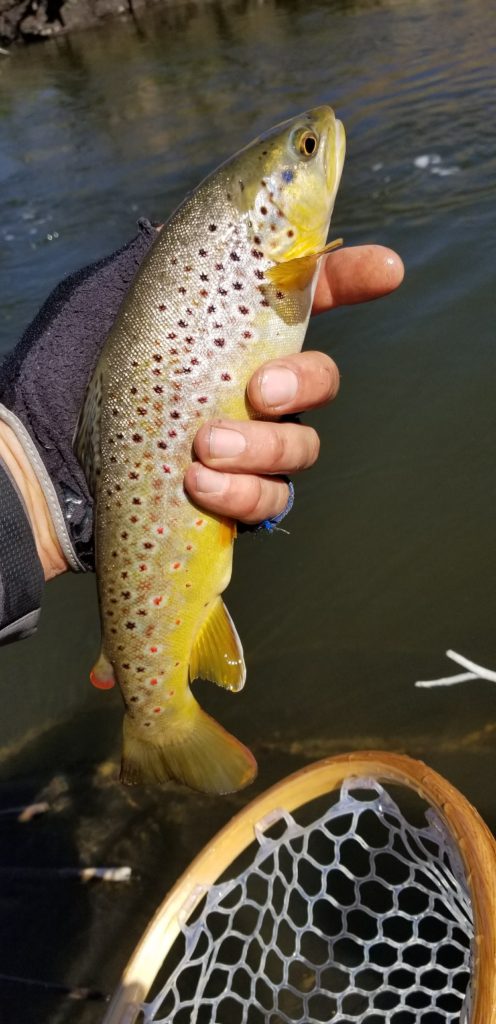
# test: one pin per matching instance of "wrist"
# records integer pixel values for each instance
(16, 462)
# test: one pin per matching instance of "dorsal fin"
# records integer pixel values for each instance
(87, 435)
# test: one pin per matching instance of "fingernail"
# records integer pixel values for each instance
(278, 386)
(225, 443)
(208, 481)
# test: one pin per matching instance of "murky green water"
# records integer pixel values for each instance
(391, 555)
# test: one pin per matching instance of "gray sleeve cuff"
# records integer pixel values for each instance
(21, 573)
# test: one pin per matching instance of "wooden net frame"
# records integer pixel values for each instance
(471, 836)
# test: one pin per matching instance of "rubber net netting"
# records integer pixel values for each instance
(359, 916)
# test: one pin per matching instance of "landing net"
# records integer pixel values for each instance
(358, 916)
(361, 915)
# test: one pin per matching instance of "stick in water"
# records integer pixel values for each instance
(475, 672)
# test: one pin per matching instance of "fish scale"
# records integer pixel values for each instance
(227, 285)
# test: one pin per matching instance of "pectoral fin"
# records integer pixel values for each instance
(217, 652)
(296, 274)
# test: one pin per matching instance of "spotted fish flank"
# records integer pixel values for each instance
(227, 285)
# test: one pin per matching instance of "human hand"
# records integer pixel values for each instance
(233, 473)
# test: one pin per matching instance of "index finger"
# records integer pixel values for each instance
(357, 274)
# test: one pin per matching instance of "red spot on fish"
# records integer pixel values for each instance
(220, 342)
(171, 693)
(157, 600)
(202, 400)
(143, 567)
(199, 522)
(153, 682)
(157, 372)
(176, 565)
(154, 650)
(226, 376)
(178, 622)
(172, 433)
(189, 547)
(134, 519)
(157, 711)
(247, 334)
(166, 469)
(195, 362)
(160, 530)
(244, 310)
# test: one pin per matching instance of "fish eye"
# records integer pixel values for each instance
(308, 143)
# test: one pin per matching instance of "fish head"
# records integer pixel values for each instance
(286, 183)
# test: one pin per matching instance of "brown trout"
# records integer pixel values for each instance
(227, 285)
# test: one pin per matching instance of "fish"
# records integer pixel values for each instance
(227, 285)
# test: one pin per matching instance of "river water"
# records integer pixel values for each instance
(391, 553)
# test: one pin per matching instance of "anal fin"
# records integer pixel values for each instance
(217, 652)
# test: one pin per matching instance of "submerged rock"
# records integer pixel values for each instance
(29, 20)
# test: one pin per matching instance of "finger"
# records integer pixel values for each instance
(250, 499)
(357, 274)
(256, 446)
(303, 381)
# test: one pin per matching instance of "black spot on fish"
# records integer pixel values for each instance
(137, 438)
(237, 286)
(220, 342)
(234, 256)
(212, 227)
(202, 252)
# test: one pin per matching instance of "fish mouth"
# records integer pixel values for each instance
(335, 155)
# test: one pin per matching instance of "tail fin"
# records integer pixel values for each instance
(204, 756)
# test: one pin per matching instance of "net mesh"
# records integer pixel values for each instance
(359, 916)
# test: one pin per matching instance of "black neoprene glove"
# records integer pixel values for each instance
(44, 380)
(42, 386)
